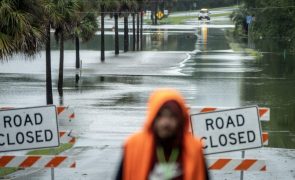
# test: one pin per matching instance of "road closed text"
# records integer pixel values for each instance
(21, 137)
(227, 138)
(28, 128)
(228, 130)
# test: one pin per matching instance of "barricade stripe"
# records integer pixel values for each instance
(257, 166)
(29, 161)
(262, 111)
(219, 164)
(4, 160)
(265, 138)
(55, 161)
(73, 141)
(245, 164)
(62, 133)
(72, 116)
(208, 109)
(60, 109)
(73, 165)
(263, 168)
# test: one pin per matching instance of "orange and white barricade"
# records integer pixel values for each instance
(230, 164)
(37, 161)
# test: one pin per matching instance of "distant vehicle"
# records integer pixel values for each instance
(204, 14)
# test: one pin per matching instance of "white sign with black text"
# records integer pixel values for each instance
(228, 130)
(28, 128)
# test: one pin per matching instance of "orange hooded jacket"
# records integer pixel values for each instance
(138, 149)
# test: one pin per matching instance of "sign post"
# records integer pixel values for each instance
(28, 128)
(228, 130)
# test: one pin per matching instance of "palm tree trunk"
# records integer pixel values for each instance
(141, 31)
(126, 36)
(61, 62)
(49, 97)
(77, 52)
(77, 58)
(102, 47)
(137, 33)
(116, 16)
(133, 28)
(156, 10)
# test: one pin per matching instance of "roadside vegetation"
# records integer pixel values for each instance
(236, 44)
(273, 20)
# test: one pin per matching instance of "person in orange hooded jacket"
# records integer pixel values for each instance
(165, 149)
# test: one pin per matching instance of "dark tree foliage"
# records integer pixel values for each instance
(272, 19)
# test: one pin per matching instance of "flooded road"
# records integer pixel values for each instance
(110, 105)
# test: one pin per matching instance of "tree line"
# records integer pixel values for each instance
(26, 26)
(273, 19)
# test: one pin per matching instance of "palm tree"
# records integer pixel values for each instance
(22, 30)
(141, 9)
(137, 33)
(127, 6)
(63, 23)
(133, 29)
(105, 7)
(20, 27)
(116, 17)
(102, 44)
(126, 31)
(52, 17)
(49, 96)
(86, 26)
(114, 8)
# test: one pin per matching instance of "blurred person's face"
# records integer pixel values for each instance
(166, 124)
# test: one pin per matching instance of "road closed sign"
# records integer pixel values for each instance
(28, 128)
(228, 130)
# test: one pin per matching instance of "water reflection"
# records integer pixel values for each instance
(274, 87)
(160, 40)
(205, 36)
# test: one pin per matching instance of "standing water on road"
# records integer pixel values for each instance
(111, 106)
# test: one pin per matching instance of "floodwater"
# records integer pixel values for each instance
(110, 107)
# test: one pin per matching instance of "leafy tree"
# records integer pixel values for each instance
(86, 25)
(272, 19)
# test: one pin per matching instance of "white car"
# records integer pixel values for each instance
(204, 14)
